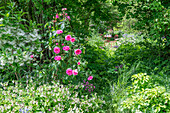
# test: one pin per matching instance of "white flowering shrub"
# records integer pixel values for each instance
(16, 47)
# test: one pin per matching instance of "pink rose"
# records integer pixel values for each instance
(64, 9)
(31, 56)
(68, 37)
(57, 50)
(69, 71)
(90, 78)
(66, 14)
(72, 39)
(75, 72)
(57, 16)
(59, 31)
(77, 51)
(78, 63)
(66, 48)
(62, 44)
(68, 17)
(56, 43)
(57, 58)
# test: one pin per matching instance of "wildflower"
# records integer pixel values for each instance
(49, 109)
(66, 14)
(49, 27)
(75, 72)
(78, 63)
(77, 51)
(121, 66)
(90, 78)
(20, 110)
(59, 31)
(68, 37)
(115, 46)
(69, 71)
(72, 39)
(56, 43)
(101, 47)
(57, 58)
(62, 44)
(31, 56)
(57, 50)
(66, 48)
(87, 83)
(57, 16)
(124, 35)
(116, 66)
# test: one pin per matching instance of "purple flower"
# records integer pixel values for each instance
(121, 66)
(116, 66)
(115, 46)
(124, 35)
(101, 47)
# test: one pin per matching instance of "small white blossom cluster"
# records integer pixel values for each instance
(54, 98)
(129, 38)
(16, 46)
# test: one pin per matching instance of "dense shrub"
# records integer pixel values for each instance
(16, 48)
(144, 96)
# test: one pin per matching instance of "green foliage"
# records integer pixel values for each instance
(152, 18)
(47, 98)
(83, 13)
(17, 44)
(144, 97)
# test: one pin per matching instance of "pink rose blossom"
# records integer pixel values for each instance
(75, 72)
(59, 31)
(90, 78)
(62, 44)
(68, 37)
(69, 71)
(66, 14)
(77, 51)
(66, 48)
(68, 17)
(57, 58)
(72, 39)
(64, 9)
(57, 50)
(56, 43)
(31, 56)
(57, 16)
(78, 63)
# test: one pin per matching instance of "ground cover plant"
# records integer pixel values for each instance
(54, 58)
(46, 98)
